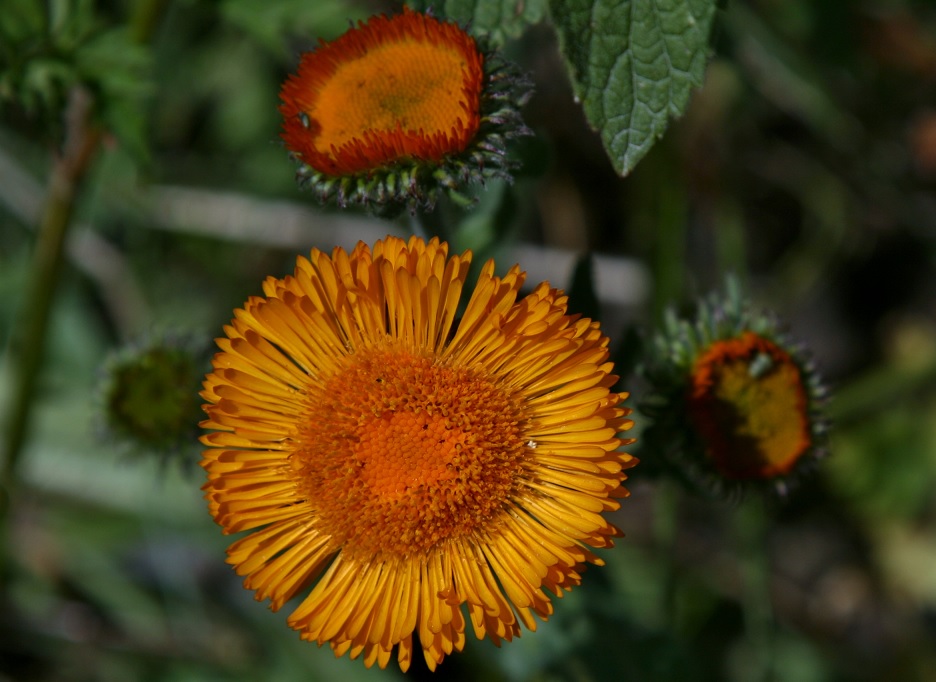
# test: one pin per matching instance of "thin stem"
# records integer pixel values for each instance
(666, 529)
(70, 168)
(146, 18)
(26, 350)
(751, 528)
(669, 258)
(730, 244)
(662, 217)
(429, 224)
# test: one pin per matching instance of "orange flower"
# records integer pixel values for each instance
(419, 473)
(733, 405)
(406, 87)
(397, 108)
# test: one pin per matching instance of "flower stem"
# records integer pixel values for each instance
(70, 168)
(662, 217)
(730, 247)
(666, 529)
(26, 350)
(751, 528)
(429, 224)
(146, 18)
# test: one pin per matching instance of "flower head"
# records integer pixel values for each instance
(148, 395)
(397, 108)
(733, 402)
(409, 468)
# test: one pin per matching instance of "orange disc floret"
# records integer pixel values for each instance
(401, 453)
(391, 89)
(749, 404)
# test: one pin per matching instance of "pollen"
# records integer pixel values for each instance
(402, 453)
(406, 87)
(750, 406)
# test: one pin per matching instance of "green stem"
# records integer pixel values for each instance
(146, 18)
(26, 351)
(666, 529)
(661, 216)
(25, 354)
(729, 239)
(751, 528)
(429, 224)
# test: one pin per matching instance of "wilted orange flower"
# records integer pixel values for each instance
(397, 108)
(415, 472)
(394, 88)
(733, 404)
(749, 403)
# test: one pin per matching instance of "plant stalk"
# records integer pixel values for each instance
(29, 340)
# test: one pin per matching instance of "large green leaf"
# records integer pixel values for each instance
(497, 20)
(633, 65)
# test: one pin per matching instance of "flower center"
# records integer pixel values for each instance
(406, 85)
(748, 402)
(401, 88)
(401, 453)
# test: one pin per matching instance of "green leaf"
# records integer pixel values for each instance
(633, 65)
(496, 20)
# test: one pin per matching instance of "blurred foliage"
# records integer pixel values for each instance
(805, 165)
(49, 48)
